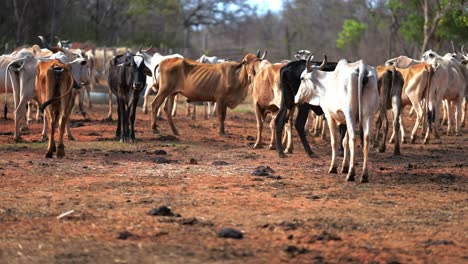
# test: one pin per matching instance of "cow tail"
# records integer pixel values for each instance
(361, 75)
(5, 107)
(428, 106)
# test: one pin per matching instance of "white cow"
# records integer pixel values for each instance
(448, 83)
(346, 95)
(152, 83)
(22, 73)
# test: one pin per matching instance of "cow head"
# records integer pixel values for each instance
(308, 90)
(139, 71)
(302, 54)
(252, 63)
(80, 72)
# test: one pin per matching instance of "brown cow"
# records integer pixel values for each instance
(54, 85)
(266, 96)
(227, 84)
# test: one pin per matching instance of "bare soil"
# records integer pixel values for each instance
(414, 210)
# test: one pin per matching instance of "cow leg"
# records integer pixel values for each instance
(194, 112)
(155, 105)
(445, 106)
(458, 116)
(259, 117)
(382, 146)
(45, 124)
(19, 117)
(29, 113)
(118, 131)
(378, 126)
(169, 106)
(175, 102)
(51, 126)
(65, 113)
(323, 134)
(301, 118)
(109, 114)
(123, 120)
(365, 150)
(345, 164)
(396, 109)
(272, 137)
(464, 105)
(206, 106)
(280, 121)
(188, 109)
(88, 92)
(213, 109)
(352, 149)
(221, 108)
(289, 142)
(132, 117)
(38, 113)
(342, 128)
(81, 95)
(450, 115)
(419, 113)
(332, 128)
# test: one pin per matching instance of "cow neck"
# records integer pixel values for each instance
(319, 78)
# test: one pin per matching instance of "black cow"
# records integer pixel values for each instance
(126, 76)
(290, 78)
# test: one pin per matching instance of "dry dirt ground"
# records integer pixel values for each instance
(414, 210)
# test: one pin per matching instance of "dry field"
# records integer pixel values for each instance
(414, 210)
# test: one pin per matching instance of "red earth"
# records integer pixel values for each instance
(414, 210)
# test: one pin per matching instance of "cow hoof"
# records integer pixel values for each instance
(44, 138)
(289, 151)
(458, 134)
(413, 139)
(48, 155)
(25, 128)
(272, 147)
(70, 137)
(18, 139)
(382, 149)
(145, 111)
(257, 146)
(61, 151)
(437, 136)
(108, 119)
(426, 141)
(333, 170)
(391, 141)
(396, 152)
(365, 178)
(403, 141)
(345, 169)
(282, 155)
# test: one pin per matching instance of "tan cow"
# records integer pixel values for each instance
(266, 96)
(54, 91)
(227, 84)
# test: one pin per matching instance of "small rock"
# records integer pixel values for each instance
(125, 235)
(162, 211)
(250, 138)
(324, 236)
(293, 251)
(96, 134)
(409, 166)
(219, 163)
(193, 161)
(161, 160)
(189, 221)
(159, 152)
(167, 138)
(82, 151)
(262, 171)
(290, 237)
(76, 124)
(227, 232)
(314, 197)
(431, 242)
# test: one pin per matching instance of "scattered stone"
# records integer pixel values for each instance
(262, 171)
(431, 242)
(159, 152)
(250, 138)
(96, 134)
(409, 166)
(167, 138)
(105, 139)
(2, 174)
(76, 124)
(219, 163)
(293, 251)
(459, 165)
(125, 235)
(228, 232)
(290, 236)
(286, 225)
(324, 236)
(193, 161)
(314, 197)
(161, 160)
(82, 151)
(162, 211)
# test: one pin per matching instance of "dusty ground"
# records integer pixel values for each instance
(414, 210)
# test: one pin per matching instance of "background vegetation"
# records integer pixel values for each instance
(370, 29)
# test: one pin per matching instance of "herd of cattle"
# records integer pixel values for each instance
(344, 95)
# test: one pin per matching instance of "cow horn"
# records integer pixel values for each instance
(453, 47)
(462, 49)
(323, 62)
(258, 53)
(44, 42)
(148, 49)
(264, 54)
(308, 66)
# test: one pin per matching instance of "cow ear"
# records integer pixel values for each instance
(17, 66)
(147, 72)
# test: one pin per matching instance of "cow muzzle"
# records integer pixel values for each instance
(138, 85)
